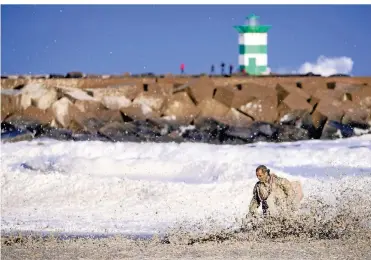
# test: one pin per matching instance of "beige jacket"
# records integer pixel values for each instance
(283, 195)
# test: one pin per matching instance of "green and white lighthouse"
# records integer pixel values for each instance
(253, 41)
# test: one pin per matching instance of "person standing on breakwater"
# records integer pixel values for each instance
(275, 194)
(182, 68)
(230, 69)
(222, 68)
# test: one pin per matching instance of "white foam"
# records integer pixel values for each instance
(145, 188)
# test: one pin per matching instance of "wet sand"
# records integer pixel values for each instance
(342, 236)
(120, 248)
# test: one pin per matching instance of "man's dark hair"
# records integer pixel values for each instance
(263, 168)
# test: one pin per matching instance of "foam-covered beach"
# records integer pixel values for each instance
(99, 189)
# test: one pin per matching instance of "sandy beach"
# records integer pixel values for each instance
(117, 248)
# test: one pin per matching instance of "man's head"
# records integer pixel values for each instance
(262, 173)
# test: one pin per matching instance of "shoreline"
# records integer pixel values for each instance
(118, 248)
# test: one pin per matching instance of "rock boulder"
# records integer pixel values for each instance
(32, 118)
(211, 109)
(293, 107)
(232, 97)
(262, 109)
(38, 95)
(10, 102)
(180, 108)
(201, 89)
(62, 111)
(113, 102)
(154, 101)
(138, 112)
(129, 91)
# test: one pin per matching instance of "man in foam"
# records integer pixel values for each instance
(277, 195)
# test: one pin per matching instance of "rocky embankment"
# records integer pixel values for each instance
(234, 110)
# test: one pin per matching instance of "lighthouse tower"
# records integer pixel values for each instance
(253, 40)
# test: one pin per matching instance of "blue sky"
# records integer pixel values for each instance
(112, 39)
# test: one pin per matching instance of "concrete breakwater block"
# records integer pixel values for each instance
(299, 108)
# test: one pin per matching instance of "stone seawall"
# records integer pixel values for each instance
(229, 110)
